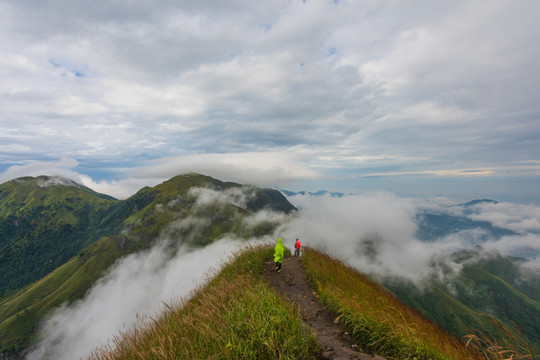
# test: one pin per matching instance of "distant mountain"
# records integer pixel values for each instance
(317, 193)
(481, 201)
(433, 226)
(67, 236)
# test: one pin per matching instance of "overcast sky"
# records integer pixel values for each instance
(421, 98)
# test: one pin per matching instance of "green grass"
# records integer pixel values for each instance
(20, 314)
(374, 317)
(236, 315)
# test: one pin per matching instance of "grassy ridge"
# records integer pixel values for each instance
(236, 315)
(375, 318)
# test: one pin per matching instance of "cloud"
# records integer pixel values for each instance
(136, 286)
(36, 168)
(376, 233)
(263, 169)
(423, 89)
(518, 217)
(235, 196)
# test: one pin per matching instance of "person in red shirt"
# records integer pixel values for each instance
(297, 248)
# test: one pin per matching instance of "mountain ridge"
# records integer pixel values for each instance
(133, 224)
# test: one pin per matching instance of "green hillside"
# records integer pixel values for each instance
(45, 221)
(172, 210)
(491, 297)
(238, 316)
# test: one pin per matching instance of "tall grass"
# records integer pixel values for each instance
(234, 316)
(494, 350)
(374, 317)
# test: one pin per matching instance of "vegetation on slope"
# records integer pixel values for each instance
(490, 297)
(374, 317)
(235, 316)
(44, 222)
(171, 210)
(20, 314)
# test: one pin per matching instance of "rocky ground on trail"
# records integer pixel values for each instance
(292, 283)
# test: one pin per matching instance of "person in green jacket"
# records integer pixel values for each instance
(279, 252)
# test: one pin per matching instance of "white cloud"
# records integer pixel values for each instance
(36, 168)
(133, 288)
(396, 83)
(518, 217)
(263, 169)
(376, 233)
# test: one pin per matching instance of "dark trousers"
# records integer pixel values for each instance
(278, 266)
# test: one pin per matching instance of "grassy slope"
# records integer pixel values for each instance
(374, 317)
(20, 314)
(42, 226)
(235, 316)
(479, 302)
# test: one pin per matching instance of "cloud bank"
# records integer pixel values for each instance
(260, 169)
(376, 233)
(342, 89)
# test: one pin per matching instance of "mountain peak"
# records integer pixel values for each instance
(479, 201)
(317, 193)
(46, 181)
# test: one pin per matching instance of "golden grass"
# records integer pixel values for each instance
(235, 316)
(493, 350)
(375, 318)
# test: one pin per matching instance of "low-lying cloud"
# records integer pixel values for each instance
(376, 233)
(135, 286)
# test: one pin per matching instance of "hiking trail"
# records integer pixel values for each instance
(292, 283)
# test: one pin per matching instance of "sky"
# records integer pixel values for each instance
(417, 98)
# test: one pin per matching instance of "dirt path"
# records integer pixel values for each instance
(292, 283)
